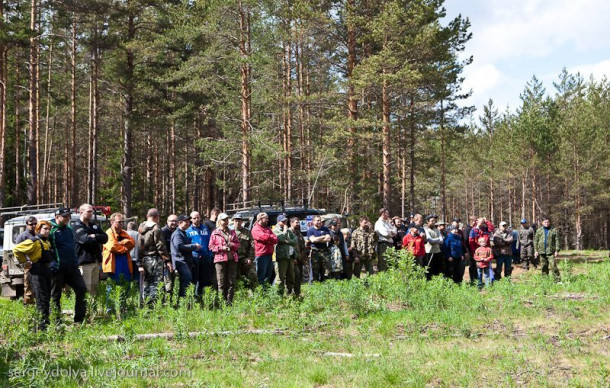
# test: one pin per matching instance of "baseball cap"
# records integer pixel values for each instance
(333, 223)
(503, 223)
(183, 217)
(281, 218)
(223, 216)
(524, 221)
(237, 216)
(261, 215)
(62, 211)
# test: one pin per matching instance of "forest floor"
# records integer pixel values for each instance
(392, 329)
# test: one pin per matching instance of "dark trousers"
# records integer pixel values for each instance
(186, 278)
(41, 284)
(204, 273)
(472, 269)
(435, 262)
(298, 278)
(74, 279)
(382, 265)
(455, 269)
(263, 269)
(226, 273)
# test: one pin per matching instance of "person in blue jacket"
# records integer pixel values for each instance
(203, 263)
(453, 250)
(182, 253)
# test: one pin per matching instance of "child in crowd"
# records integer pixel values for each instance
(415, 243)
(336, 262)
(483, 257)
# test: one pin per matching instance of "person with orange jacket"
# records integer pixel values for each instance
(116, 259)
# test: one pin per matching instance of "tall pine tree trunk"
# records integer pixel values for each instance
(73, 175)
(33, 107)
(127, 172)
(245, 48)
(352, 104)
(3, 80)
(386, 141)
(92, 177)
(18, 167)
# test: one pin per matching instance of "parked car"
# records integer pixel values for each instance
(274, 209)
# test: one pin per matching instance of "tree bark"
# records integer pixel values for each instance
(33, 107)
(352, 103)
(127, 172)
(3, 80)
(245, 49)
(73, 189)
(386, 141)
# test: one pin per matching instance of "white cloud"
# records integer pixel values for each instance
(598, 70)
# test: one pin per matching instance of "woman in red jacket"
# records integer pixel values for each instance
(224, 244)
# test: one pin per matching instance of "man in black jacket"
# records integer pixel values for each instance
(182, 253)
(64, 266)
(89, 238)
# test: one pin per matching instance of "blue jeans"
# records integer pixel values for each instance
(263, 269)
(507, 262)
(487, 273)
(186, 278)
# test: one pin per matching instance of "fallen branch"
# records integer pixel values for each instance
(350, 355)
(170, 336)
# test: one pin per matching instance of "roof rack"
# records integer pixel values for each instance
(29, 209)
(264, 205)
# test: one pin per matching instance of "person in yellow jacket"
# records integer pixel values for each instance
(116, 260)
(37, 255)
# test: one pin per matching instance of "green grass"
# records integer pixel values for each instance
(397, 329)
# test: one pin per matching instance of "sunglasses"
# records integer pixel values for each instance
(31, 224)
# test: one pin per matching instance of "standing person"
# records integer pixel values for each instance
(348, 269)
(472, 265)
(284, 250)
(37, 256)
(116, 260)
(385, 232)
(526, 241)
(28, 234)
(442, 228)
(167, 231)
(335, 231)
(363, 247)
(64, 265)
(415, 242)
(153, 256)
(434, 242)
(210, 223)
(203, 263)
(503, 240)
(132, 231)
(454, 253)
(401, 232)
(546, 248)
(483, 257)
(264, 242)
(224, 244)
(89, 238)
(245, 253)
(515, 246)
(455, 224)
(320, 239)
(182, 253)
(299, 256)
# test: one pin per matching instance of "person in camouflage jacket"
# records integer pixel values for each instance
(363, 247)
(153, 256)
(546, 248)
(245, 266)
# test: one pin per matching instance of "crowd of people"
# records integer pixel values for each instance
(219, 251)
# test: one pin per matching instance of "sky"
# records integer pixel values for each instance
(513, 40)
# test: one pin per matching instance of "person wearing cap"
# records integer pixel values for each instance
(286, 244)
(203, 263)
(453, 249)
(503, 252)
(224, 244)
(363, 247)
(526, 242)
(245, 253)
(153, 257)
(442, 228)
(335, 230)
(37, 256)
(264, 243)
(182, 253)
(299, 255)
(546, 247)
(28, 234)
(385, 231)
(320, 238)
(434, 242)
(169, 276)
(89, 238)
(64, 265)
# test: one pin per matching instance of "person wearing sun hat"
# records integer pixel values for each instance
(264, 242)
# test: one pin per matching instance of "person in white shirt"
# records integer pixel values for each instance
(434, 242)
(385, 231)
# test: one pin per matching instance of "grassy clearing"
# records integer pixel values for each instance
(393, 329)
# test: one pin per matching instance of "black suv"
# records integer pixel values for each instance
(274, 209)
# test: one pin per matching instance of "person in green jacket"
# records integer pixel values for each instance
(284, 249)
(546, 248)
